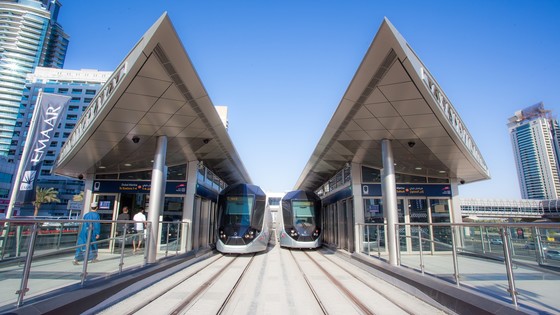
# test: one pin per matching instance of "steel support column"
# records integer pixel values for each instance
(389, 192)
(157, 193)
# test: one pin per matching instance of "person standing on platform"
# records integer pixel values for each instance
(140, 216)
(82, 236)
(124, 216)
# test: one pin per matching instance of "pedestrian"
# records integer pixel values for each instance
(140, 216)
(82, 236)
(124, 216)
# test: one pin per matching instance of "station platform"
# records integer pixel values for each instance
(55, 284)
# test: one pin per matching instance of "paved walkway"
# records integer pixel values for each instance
(536, 289)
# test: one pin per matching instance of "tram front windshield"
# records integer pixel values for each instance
(304, 215)
(238, 210)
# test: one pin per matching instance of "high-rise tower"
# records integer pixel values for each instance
(535, 140)
(30, 36)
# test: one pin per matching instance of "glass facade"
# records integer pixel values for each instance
(29, 37)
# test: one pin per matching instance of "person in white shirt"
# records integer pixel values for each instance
(140, 216)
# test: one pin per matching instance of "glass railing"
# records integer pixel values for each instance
(38, 256)
(503, 260)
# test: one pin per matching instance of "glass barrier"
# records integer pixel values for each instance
(510, 256)
(38, 256)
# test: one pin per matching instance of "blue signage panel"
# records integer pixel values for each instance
(407, 190)
(136, 187)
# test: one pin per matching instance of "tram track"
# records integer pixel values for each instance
(193, 297)
(339, 286)
(161, 290)
(321, 305)
(395, 301)
(366, 293)
(175, 294)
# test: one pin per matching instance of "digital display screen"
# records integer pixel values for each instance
(105, 204)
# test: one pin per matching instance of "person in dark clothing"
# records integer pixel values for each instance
(124, 216)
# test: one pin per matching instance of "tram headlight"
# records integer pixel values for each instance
(316, 233)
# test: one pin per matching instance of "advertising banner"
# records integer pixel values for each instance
(46, 116)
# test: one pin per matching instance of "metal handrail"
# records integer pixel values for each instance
(29, 255)
(457, 240)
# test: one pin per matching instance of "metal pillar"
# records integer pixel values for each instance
(157, 192)
(389, 191)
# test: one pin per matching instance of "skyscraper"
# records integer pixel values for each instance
(535, 138)
(30, 36)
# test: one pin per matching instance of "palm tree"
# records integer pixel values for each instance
(78, 197)
(44, 195)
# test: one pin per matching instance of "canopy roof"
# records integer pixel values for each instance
(154, 92)
(393, 96)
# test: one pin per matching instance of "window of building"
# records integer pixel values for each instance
(66, 135)
(71, 117)
(54, 144)
(274, 201)
(90, 92)
(48, 90)
(178, 172)
(62, 90)
(373, 210)
(370, 175)
(87, 100)
(75, 99)
(69, 126)
(141, 175)
(76, 91)
(106, 176)
(5, 177)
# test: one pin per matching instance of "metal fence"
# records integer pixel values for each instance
(38, 255)
(466, 251)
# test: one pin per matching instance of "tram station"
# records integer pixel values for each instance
(152, 138)
(394, 153)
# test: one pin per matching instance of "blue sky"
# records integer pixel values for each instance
(282, 67)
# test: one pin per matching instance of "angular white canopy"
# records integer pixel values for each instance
(155, 91)
(393, 96)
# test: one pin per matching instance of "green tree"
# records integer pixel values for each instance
(44, 195)
(78, 197)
